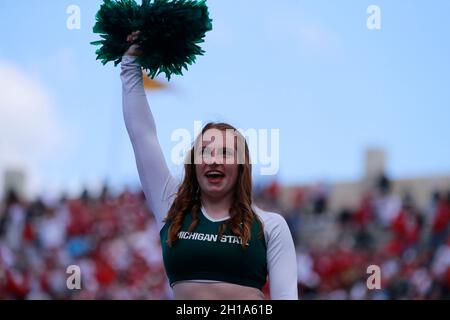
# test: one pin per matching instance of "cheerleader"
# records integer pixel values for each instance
(215, 243)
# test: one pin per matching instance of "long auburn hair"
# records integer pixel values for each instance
(188, 197)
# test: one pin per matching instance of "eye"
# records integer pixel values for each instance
(206, 151)
(227, 152)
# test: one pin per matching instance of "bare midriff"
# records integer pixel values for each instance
(189, 290)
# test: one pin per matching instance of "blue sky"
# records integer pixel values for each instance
(309, 68)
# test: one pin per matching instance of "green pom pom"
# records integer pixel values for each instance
(171, 31)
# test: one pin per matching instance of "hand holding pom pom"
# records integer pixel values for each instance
(164, 33)
(134, 49)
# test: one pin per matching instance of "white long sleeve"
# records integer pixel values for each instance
(158, 184)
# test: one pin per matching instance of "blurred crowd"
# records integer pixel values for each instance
(115, 242)
(411, 246)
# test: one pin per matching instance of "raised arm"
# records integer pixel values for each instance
(157, 182)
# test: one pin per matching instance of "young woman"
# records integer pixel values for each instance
(215, 243)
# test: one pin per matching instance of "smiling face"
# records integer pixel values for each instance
(217, 168)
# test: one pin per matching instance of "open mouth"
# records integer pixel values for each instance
(214, 176)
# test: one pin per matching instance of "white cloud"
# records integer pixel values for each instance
(31, 132)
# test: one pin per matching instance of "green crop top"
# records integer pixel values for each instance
(201, 255)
